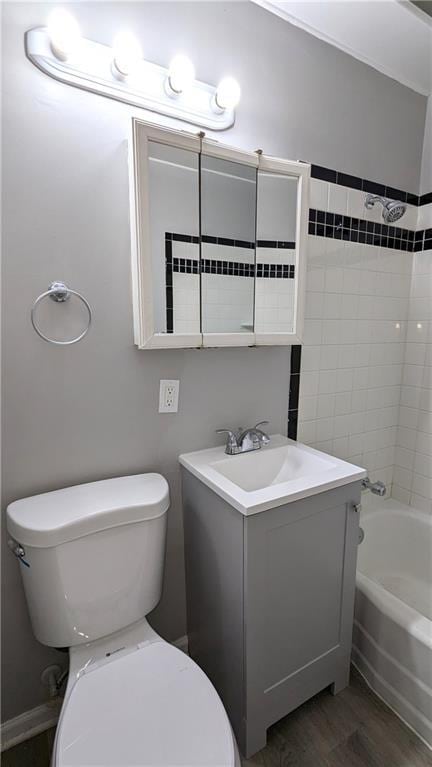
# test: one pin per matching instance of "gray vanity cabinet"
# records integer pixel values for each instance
(270, 600)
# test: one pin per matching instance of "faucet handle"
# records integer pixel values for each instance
(264, 438)
(231, 439)
(231, 443)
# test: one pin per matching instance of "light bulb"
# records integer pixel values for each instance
(181, 74)
(227, 94)
(127, 54)
(64, 33)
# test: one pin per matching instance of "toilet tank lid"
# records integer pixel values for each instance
(64, 515)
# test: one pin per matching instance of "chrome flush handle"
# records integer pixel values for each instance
(18, 551)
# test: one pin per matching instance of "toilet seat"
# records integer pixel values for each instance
(149, 706)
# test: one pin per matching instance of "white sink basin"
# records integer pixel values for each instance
(280, 473)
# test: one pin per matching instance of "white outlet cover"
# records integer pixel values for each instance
(168, 396)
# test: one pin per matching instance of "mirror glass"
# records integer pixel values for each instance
(275, 253)
(174, 238)
(228, 204)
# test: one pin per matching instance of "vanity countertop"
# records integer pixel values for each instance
(282, 472)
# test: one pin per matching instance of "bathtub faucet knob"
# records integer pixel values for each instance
(378, 487)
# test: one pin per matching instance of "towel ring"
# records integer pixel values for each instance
(60, 293)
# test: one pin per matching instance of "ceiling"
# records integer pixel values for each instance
(392, 36)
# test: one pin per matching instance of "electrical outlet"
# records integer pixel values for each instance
(168, 396)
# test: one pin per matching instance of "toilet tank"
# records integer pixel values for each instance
(93, 556)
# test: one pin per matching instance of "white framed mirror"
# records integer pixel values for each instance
(282, 208)
(228, 228)
(164, 190)
(218, 242)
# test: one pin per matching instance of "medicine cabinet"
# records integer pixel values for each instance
(218, 243)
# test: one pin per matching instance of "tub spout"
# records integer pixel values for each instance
(378, 487)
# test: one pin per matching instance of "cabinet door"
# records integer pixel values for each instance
(228, 208)
(300, 582)
(199, 218)
(165, 238)
(280, 251)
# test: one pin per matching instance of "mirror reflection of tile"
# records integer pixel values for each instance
(227, 304)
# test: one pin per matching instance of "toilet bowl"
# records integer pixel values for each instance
(137, 700)
(92, 566)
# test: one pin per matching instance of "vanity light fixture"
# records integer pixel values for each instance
(127, 54)
(119, 72)
(64, 33)
(180, 76)
(227, 95)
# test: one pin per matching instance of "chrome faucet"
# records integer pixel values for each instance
(244, 440)
(378, 487)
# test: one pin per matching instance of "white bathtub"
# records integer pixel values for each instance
(392, 639)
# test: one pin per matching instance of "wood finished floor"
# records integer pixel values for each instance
(352, 729)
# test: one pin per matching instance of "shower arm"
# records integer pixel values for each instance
(371, 199)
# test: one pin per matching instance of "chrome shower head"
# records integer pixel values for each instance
(393, 210)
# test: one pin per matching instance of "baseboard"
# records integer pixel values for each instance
(42, 717)
(29, 724)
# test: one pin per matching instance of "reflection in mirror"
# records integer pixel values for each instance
(275, 253)
(174, 238)
(228, 202)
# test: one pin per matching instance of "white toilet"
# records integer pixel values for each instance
(95, 556)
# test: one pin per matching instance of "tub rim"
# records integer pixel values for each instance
(400, 612)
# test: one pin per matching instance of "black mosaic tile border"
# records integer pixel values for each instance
(422, 240)
(216, 266)
(339, 227)
(364, 185)
(182, 237)
(278, 271)
(169, 285)
(283, 244)
(186, 265)
(294, 391)
(227, 241)
(233, 268)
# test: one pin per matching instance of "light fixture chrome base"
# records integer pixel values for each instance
(90, 68)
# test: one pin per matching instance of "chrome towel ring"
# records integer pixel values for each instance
(60, 293)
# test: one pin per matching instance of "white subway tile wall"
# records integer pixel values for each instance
(356, 323)
(412, 476)
(228, 253)
(186, 291)
(227, 303)
(274, 305)
(424, 220)
(274, 298)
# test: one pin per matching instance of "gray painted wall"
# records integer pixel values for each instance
(90, 411)
(426, 166)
